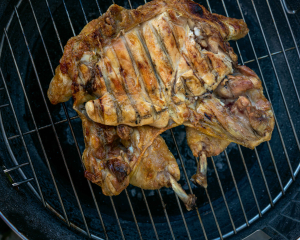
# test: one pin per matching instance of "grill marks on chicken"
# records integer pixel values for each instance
(133, 74)
(153, 69)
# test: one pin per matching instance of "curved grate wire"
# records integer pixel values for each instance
(33, 181)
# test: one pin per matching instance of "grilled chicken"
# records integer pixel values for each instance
(117, 156)
(203, 146)
(142, 71)
(145, 65)
(236, 111)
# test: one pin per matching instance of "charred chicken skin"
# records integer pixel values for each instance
(133, 74)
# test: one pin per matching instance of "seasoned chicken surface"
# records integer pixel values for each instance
(146, 65)
(117, 156)
(133, 74)
(203, 146)
(236, 111)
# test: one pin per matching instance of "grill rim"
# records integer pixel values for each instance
(12, 227)
(273, 201)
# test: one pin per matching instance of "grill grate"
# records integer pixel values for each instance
(34, 182)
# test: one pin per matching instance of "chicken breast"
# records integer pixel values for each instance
(144, 65)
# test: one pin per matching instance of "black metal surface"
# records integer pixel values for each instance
(228, 218)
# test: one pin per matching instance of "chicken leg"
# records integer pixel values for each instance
(117, 156)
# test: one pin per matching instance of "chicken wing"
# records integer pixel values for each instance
(236, 111)
(203, 146)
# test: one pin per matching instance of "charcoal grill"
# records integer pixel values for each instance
(43, 191)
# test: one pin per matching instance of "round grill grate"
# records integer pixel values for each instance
(45, 142)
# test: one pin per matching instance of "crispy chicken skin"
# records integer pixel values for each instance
(133, 74)
(115, 157)
(148, 62)
(203, 146)
(236, 111)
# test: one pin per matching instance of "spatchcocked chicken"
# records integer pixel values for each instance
(133, 74)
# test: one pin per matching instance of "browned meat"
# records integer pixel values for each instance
(143, 65)
(117, 156)
(203, 146)
(236, 111)
(135, 73)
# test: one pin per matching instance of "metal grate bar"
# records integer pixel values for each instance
(100, 12)
(40, 128)
(226, 155)
(54, 25)
(134, 218)
(267, 92)
(264, 177)
(183, 167)
(183, 218)
(250, 181)
(86, 21)
(43, 149)
(166, 214)
(269, 146)
(187, 180)
(272, 54)
(14, 160)
(277, 125)
(16, 167)
(40, 140)
(182, 215)
(19, 183)
(292, 33)
(236, 187)
(224, 198)
(4, 105)
(68, 119)
(150, 215)
(67, 115)
(129, 1)
(7, 27)
(289, 11)
(276, 74)
(19, 128)
(276, 169)
(284, 53)
(67, 12)
(227, 158)
(44, 99)
(213, 212)
(116, 214)
(129, 201)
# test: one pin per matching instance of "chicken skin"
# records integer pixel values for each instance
(133, 74)
(115, 157)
